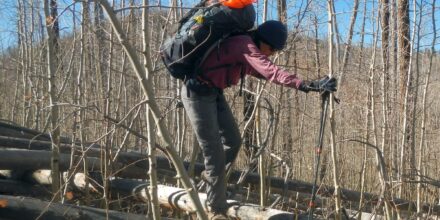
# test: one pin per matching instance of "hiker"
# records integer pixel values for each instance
(210, 115)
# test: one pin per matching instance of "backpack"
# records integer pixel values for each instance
(200, 31)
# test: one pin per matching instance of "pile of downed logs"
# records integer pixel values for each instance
(25, 171)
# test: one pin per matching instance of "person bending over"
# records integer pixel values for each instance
(210, 115)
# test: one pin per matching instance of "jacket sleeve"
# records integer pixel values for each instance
(263, 67)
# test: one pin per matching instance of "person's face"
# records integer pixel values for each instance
(266, 49)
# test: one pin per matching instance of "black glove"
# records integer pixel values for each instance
(325, 84)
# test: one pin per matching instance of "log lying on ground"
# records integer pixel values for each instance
(33, 160)
(126, 187)
(176, 197)
(11, 130)
(12, 207)
(138, 161)
(127, 158)
(40, 144)
(173, 197)
(353, 214)
(278, 184)
(12, 187)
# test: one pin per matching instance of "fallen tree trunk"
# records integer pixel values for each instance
(135, 189)
(177, 198)
(138, 190)
(37, 144)
(138, 162)
(172, 197)
(29, 208)
(35, 160)
(126, 187)
(278, 185)
(12, 187)
(127, 158)
(11, 130)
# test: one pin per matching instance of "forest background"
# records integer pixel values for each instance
(383, 53)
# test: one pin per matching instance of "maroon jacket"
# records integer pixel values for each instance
(239, 56)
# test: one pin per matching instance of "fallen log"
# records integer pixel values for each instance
(132, 158)
(39, 144)
(137, 160)
(131, 189)
(13, 130)
(35, 160)
(172, 197)
(353, 214)
(126, 187)
(177, 198)
(13, 187)
(29, 208)
(278, 185)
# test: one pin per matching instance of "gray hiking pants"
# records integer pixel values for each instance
(218, 136)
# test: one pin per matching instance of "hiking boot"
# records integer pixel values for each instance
(203, 181)
(204, 176)
(193, 182)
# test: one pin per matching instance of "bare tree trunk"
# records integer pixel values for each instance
(248, 109)
(337, 193)
(79, 96)
(154, 203)
(415, 75)
(393, 93)
(372, 86)
(385, 26)
(406, 87)
(105, 57)
(262, 163)
(422, 145)
(365, 156)
(336, 37)
(282, 11)
(383, 178)
(25, 63)
(68, 182)
(367, 114)
(316, 44)
(265, 2)
(348, 43)
(52, 49)
(38, 91)
(385, 84)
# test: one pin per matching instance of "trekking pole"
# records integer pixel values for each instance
(324, 106)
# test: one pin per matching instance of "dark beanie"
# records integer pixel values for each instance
(273, 33)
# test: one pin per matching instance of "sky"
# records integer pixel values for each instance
(343, 10)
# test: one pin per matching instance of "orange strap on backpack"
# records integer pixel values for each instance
(237, 3)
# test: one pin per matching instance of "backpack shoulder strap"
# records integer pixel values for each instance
(215, 45)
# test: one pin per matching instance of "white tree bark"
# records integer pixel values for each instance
(425, 93)
(154, 203)
(334, 153)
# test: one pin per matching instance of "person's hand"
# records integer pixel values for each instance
(325, 84)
